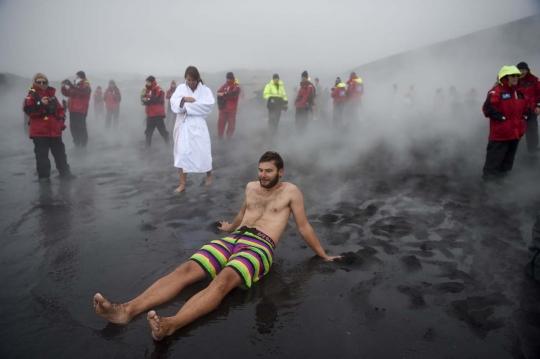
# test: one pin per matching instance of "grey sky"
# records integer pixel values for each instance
(60, 37)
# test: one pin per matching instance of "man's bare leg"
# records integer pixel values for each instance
(160, 292)
(183, 178)
(208, 178)
(200, 304)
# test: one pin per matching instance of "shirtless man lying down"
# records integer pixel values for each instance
(238, 260)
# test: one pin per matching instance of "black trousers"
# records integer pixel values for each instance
(112, 117)
(151, 124)
(338, 112)
(500, 158)
(273, 119)
(42, 145)
(77, 126)
(301, 118)
(531, 134)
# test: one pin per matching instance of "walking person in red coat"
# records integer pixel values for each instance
(507, 110)
(304, 102)
(154, 100)
(99, 104)
(79, 99)
(47, 119)
(112, 97)
(530, 86)
(227, 98)
(339, 94)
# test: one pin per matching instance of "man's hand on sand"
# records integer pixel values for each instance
(331, 258)
(225, 226)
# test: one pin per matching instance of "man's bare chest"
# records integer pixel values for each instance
(263, 203)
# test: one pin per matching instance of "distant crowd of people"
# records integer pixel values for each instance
(512, 105)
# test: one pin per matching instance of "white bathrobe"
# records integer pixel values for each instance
(192, 148)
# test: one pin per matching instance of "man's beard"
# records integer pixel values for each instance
(270, 184)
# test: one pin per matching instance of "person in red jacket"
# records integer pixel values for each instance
(47, 119)
(154, 100)
(79, 99)
(304, 102)
(99, 104)
(339, 94)
(355, 90)
(507, 110)
(227, 98)
(171, 116)
(530, 85)
(112, 97)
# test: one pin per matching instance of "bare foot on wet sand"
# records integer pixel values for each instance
(113, 312)
(208, 181)
(161, 327)
(180, 189)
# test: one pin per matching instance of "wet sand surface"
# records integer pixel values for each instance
(432, 267)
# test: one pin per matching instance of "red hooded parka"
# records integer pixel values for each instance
(79, 96)
(155, 104)
(506, 108)
(45, 120)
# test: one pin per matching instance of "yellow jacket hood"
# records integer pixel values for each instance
(508, 70)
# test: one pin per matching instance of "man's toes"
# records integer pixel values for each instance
(151, 315)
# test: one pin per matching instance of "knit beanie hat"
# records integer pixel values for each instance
(523, 66)
(230, 75)
(150, 79)
(276, 76)
(81, 74)
(39, 75)
(305, 74)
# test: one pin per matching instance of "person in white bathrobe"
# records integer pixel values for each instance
(192, 102)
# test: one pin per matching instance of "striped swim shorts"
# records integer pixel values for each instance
(248, 251)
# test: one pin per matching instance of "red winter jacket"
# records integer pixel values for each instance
(155, 106)
(506, 107)
(79, 96)
(305, 96)
(99, 104)
(112, 98)
(45, 120)
(339, 93)
(355, 89)
(530, 86)
(231, 94)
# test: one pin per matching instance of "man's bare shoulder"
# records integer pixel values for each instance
(252, 185)
(291, 189)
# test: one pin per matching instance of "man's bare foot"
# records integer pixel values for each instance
(113, 312)
(180, 188)
(161, 327)
(208, 181)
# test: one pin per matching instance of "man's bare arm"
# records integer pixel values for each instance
(304, 228)
(229, 227)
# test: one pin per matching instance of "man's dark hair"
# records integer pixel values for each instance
(194, 73)
(274, 157)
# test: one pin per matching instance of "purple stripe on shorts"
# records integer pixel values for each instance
(256, 241)
(215, 263)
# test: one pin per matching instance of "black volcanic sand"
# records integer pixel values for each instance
(432, 267)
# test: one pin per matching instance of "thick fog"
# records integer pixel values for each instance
(163, 37)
